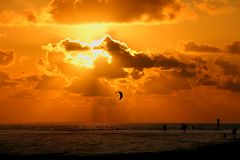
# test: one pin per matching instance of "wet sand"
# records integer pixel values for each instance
(226, 151)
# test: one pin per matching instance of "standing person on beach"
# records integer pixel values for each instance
(164, 128)
(218, 123)
(234, 133)
(224, 135)
(184, 127)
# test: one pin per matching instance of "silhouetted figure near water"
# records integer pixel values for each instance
(193, 127)
(224, 135)
(234, 133)
(218, 124)
(184, 127)
(164, 128)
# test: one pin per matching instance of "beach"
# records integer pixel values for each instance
(116, 141)
(226, 151)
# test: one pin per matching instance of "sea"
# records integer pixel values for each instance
(95, 139)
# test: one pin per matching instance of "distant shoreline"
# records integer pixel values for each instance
(225, 151)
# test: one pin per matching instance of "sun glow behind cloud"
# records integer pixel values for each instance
(86, 58)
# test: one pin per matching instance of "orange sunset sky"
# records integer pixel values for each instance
(174, 60)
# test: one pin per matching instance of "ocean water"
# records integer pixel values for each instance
(90, 139)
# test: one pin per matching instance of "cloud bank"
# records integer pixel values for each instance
(115, 66)
(74, 12)
(92, 11)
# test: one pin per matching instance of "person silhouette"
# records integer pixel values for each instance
(224, 135)
(234, 133)
(193, 127)
(164, 128)
(184, 127)
(218, 124)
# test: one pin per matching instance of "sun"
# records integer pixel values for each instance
(87, 58)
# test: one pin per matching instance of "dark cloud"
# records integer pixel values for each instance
(168, 62)
(90, 11)
(71, 45)
(229, 69)
(192, 46)
(6, 58)
(127, 58)
(122, 55)
(234, 47)
(51, 83)
(232, 86)
(207, 80)
(227, 78)
(203, 74)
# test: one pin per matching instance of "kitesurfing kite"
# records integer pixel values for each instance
(120, 95)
